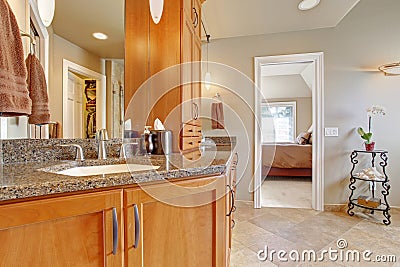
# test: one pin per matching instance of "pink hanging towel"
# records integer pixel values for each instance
(14, 95)
(217, 115)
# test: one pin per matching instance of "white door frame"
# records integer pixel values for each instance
(318, 121)
(100, 93)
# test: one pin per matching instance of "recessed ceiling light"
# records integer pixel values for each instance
(308, 4)
(100, 36)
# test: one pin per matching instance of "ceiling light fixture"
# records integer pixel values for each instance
(156, 10)
(100, 36)
(308, 4)
(392, 69)
(46, 11)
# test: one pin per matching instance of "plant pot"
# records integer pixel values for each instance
(370, 147)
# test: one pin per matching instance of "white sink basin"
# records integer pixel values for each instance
(106, 169)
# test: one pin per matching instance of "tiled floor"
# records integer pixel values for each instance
(305, 229)
(286, 192)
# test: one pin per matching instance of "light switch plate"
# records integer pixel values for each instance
(332, 131)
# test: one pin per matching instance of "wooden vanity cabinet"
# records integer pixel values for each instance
(80, 230)
(151, 48)
(230, 207)
(166, 226)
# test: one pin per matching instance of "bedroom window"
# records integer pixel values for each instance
(282, 115)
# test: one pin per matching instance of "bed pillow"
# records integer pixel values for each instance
(303, 138)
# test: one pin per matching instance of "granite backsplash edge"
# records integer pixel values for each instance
(38, 150)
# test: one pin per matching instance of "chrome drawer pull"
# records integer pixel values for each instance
(137, 226)
(115, 231)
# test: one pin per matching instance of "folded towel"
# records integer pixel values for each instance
(14, 96)
(217, 115)
(37, 91)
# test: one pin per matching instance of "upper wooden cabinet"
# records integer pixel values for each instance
(151, 48)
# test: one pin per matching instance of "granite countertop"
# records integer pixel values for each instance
(33, 179)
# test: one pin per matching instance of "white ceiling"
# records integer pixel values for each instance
(232, 18)
(283, 69)
(284, 86)
(290, 80)
(76, 20)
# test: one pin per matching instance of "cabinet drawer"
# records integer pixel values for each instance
(194, 122)
(194, 155)
(191, 131)
(190, 142)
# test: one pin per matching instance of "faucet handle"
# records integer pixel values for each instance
(102, 135)
(122, 151)
(79, 151)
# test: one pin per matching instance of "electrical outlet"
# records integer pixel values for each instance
(332, 131)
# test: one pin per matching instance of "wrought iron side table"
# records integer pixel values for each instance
(384, 207)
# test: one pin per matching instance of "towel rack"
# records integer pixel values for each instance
(24, 34)
(217, 97)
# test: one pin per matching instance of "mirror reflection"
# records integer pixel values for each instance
(82, 54)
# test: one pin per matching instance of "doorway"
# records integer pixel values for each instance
(84, 101)
(314, 61)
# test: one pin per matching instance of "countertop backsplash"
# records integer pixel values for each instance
(39, 150)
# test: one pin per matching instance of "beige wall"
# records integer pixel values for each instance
(63, 49)
(303, 111)
(366, 38)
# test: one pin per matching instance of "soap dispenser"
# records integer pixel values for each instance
(147, 144)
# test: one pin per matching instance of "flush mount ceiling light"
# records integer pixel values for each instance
(46, 11)
(100, 36)
(308, 4)
(156, 10)
(392, 69)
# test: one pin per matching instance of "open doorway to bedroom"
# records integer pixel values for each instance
(289, 154)
(286, 131)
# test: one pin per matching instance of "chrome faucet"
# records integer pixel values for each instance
(79, 151)
(101, 137)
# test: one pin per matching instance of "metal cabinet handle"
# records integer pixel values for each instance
(196, 19)
(115, 230)
(233, 201)
(137, 226)
(195, 111)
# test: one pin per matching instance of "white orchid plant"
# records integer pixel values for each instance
(371, 112)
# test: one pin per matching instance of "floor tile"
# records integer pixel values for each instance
(305, 229)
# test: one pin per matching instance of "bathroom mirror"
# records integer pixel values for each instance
(85, 74)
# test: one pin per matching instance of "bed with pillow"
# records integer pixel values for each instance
(290, 159)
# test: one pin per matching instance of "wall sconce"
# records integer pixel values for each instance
(156, 10)
(46, 11)
(392, 69)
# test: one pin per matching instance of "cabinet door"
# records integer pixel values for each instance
(230, 206)
(196, 88)
(197, 18)
(187, 69)
(174, 229)
(63, 231)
